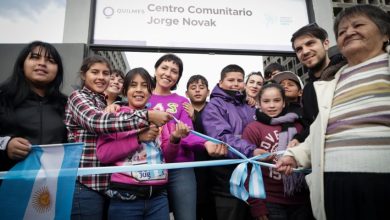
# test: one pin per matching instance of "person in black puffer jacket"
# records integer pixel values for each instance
(32, 108)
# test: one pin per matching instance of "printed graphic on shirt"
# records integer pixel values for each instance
(270, 143)
(159, 107)
(148, 153)
(171, 107)
(273, 174)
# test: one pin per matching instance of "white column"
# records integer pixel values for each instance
(77, 20)
(323, 13)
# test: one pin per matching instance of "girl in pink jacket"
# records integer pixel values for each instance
(139, 194)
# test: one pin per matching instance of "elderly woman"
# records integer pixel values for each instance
(348, 148)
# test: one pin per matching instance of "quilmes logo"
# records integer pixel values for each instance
(108, 11)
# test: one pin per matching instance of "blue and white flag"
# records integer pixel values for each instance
(42, 185)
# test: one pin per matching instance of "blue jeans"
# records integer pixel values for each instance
(87, 204)
(155, 208)
(182, 193)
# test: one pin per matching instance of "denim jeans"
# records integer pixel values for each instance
(87, 204)
(155, 208)
(182, 193)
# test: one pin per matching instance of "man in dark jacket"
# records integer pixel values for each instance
(311, 46)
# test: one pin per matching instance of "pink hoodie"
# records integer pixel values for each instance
(123, 147)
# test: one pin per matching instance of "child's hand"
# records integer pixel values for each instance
(181, 130)
(159, 118)
(293, 143)
(251, 101)
(286, 164)
(215, 150)
(258, 151)
(149, 134)
(189, 109)
(18, 148)
(113, 108)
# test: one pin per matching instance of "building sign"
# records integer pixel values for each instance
(226, 25)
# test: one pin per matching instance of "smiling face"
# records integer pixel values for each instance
(115, 85)
(39, 70)
(167, 74)
(137, 92)
(97, 77)
(253, 86)
(271, 102)
(359, 39)
(233, 81)
(311, 52)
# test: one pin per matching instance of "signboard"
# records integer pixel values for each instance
(227, 25)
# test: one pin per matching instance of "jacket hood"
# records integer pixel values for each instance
(234, 97)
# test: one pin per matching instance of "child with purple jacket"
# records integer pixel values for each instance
(225, 118)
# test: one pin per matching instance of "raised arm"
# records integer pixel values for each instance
(83, 112)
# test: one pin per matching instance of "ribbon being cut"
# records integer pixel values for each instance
(32, 186)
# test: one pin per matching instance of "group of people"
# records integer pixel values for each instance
(338, 125)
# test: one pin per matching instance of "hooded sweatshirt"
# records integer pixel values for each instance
(123, 148)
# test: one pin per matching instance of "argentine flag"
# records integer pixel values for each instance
(42, 185)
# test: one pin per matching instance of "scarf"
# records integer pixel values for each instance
(236, 95)
(296, 181)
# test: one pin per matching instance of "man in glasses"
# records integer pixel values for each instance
(311, 45)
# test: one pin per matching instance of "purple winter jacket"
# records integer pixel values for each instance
(225, 118)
